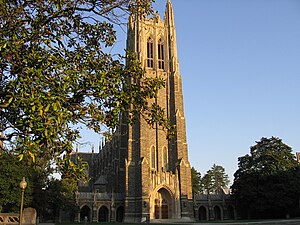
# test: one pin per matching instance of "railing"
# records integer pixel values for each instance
(9, 218)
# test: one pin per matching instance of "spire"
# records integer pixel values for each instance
(171, 37)
(169, 14)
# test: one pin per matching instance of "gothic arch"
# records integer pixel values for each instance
(103, 214)
(162, 203)
(217, 212)
(163, 186)
(160, 35)
(150, 52)
(150, 39)
(230, 212)
(202, 213)
(160, 39)
(161, 54)
(85, 213)
(120, 214)
(153, 157)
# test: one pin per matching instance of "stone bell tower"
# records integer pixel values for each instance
(157, 170)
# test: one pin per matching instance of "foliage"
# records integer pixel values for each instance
(206, 184)
(39, 172)
(11, 173)
(268, 157)
(215, 180)
(44, 194)
(55, 73)
(196, 181)
(59, 195)
(266, 183)
(219, 178)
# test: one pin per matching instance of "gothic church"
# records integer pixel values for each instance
(142, 174)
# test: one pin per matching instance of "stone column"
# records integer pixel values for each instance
(94, 213)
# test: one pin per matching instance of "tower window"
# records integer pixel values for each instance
(156, 160)
(150, 55)
(165, 159)
(153, 157)
(161, 64)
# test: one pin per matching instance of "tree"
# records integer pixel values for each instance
(196, 181)
(219, 178)
(215, 180)
(38, 176)
(58, 195)
(206, 184)
(56, 74)
(11, 173)
(266, 183)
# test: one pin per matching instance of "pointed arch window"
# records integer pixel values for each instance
(161, 58)
(150, 54)
(153, 157)
(165, 158)
(156, 158)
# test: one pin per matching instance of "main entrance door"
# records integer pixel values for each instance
(164, 210)
(163, 205)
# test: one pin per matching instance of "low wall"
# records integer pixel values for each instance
(9, 218)
(29, 217)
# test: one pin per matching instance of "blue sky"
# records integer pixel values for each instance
(240, 65)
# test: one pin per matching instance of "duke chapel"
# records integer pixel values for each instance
(142, 174)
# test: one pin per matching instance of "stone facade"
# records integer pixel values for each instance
(140, 174)
(214, 207)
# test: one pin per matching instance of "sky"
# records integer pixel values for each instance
(240, 65)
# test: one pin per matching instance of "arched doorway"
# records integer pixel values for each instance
(230, 213)
(103, 214)
(163, 205)
(85, 213)
(120, 214)
(217, 213)
(202, 213)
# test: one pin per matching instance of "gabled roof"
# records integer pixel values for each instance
(101, 180)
